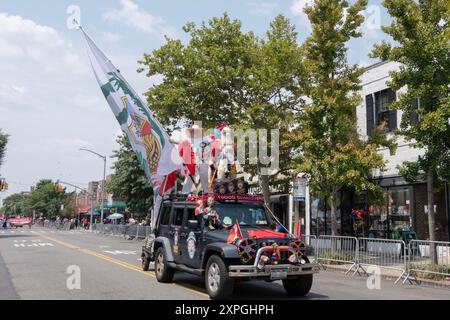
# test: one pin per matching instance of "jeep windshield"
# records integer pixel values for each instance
(247, 214)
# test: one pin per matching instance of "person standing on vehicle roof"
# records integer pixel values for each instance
(195, 150)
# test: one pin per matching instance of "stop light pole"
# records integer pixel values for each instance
(58, 188)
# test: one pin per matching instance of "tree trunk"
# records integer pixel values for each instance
(334, 228)
(431, 215)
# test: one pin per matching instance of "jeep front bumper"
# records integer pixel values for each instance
(268, 271)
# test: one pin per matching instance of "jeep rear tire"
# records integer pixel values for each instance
(299, 286)
(162, 271)
(217, 281)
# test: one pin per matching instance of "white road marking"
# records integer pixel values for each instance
(116, 252)
(44, 244)
(35, 243)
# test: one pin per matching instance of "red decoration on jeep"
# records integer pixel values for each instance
(266, 233)
(225, 197)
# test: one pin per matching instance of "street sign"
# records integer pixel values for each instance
(299, 189)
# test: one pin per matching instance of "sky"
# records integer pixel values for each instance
(50, 103)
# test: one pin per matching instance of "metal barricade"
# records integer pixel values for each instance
(311, 244)
(337, 249)
(141, 232)
(130, 231)
(384, 253)
(428, 258)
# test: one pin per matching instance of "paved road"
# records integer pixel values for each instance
(34, 263)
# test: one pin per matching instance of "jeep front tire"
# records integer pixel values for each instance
(145, 263)
(218, 283)
(162, 271)
(299, 286)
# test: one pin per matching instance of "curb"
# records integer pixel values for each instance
(422, 282)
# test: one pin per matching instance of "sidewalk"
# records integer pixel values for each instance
(387, 274)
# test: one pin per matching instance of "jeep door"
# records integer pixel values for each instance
(191, 239)
(163, 223)
(175, 230)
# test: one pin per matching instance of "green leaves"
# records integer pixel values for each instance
(332, 153)
(421, 31)
(225, 75)
(43, 199)
(3, 142)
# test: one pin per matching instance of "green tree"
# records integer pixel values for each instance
(16, 204)
(3, 142)
(70, 210)
(225, 75)
(129, 181)
(332, 153)
(421, 31)
(44, 199)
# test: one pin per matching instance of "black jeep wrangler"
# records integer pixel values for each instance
(185, 241)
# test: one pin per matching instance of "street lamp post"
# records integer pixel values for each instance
(103, 181)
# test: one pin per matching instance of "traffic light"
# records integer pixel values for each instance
(58, 187)
(3, 185)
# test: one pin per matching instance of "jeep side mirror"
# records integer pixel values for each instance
(193, 224)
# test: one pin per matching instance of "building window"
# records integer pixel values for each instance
(399, 207)
(378, 110)
(320, 217)
(383, 113)
(414, 117)
(393, 217)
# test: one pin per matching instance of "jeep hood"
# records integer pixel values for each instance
(262, 234)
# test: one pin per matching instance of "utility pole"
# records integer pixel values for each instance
(103, 181)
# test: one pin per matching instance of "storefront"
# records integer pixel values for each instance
(394, 216)
(403, 210)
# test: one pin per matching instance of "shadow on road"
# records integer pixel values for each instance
(247, 289)
(4, 236)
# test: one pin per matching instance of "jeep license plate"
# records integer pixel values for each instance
(278, 274)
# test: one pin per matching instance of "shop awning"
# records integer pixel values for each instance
(84, 209)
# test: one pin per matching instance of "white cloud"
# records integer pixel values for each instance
(50, 105)
(112, 37)
(297, 8)
(262, 8)
(130, 14)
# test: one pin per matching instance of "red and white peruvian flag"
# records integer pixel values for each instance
(297, 231)
(235, 233)
(168, 183)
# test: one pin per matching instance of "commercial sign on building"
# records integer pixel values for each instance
(299, 189)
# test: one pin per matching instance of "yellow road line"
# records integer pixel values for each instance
(115, 261)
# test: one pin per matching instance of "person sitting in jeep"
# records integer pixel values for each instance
(211, 216)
